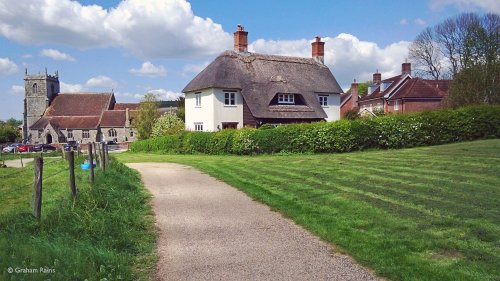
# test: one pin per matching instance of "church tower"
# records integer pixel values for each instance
(40, 90)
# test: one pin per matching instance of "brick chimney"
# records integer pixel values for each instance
(354, 93)
(318, 50)
(241, 39)
(377, 77)
(406, 68)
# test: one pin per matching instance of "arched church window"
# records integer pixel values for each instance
(35, 88)
(112, 133)
(52, 89)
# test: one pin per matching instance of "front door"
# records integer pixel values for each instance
(49, 138)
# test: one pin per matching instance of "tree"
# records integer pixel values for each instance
(426, 54)
(168, 124)
(457, 43)
(13, 122)
(147, 115)
(469, 46)
(7, 133)
(181, 108)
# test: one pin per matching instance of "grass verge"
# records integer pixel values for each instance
(107, 233)
(429, 213)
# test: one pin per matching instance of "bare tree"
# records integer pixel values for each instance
(447, 35)
(425, 52)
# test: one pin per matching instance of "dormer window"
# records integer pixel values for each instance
(286, 98)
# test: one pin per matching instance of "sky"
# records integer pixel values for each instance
(138, 46)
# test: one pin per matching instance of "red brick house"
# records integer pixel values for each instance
(401, 93)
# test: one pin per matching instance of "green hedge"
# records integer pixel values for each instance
(392, 131)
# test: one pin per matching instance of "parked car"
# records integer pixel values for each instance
(43, 147)
(71, 145)
(25, 148)
(111, 142)
(11, 148)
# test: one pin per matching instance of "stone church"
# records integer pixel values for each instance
(54, 117)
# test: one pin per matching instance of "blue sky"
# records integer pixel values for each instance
(139, 46)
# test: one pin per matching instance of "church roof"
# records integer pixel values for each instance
(84, 111)
(261, 77)
(80, 104)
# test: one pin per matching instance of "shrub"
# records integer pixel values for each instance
(168, 124)
(390, 131)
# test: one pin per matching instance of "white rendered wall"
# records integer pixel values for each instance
(212, 111)
(333, 108)
(227, 113)
(200, 114)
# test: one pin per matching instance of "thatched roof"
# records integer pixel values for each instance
(261, 77)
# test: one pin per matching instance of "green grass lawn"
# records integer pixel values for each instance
(107, 233)
(430, 213)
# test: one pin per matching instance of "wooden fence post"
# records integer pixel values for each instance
(91, 160)
(94, 148)
(37, 192)
(103, 156)
(107, 154)
(71, 157)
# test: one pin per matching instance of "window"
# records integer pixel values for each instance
(396, 105)
(197, 97)
(35, 88)
(112, 133)
(52, 91)
(323, 100)
(85, 134)
(198, 127)
(286, 98)
(131, 133)
(229, 98)
(40, 133)
(70, 134)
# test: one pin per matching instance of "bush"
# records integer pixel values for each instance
(391, 131)
(168, 124)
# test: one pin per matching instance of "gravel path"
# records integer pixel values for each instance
(16, 163)
(211, 231)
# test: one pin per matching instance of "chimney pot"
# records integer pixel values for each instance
(318, 50)
(240, 39)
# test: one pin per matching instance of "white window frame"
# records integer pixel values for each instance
(85, 134)
(323, 100)
(229, 98)
(396, 105)
(197, 98)
(198, 126)
(286, 98)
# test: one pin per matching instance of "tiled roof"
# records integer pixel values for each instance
(113, 118)
(418, 88)
(344, 98)
(377, 94)
(67, 122)
(80, 104)
(123, 106)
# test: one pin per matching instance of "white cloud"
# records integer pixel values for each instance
(7, 66)
(162, 94)
(56, 55)
(403, 22)
(71, 88)
(345, 55)
(27, 56)
(146, 28)
(150, 70)
(101, 81)
(492, 6)
(17, 90)
(420, 22)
